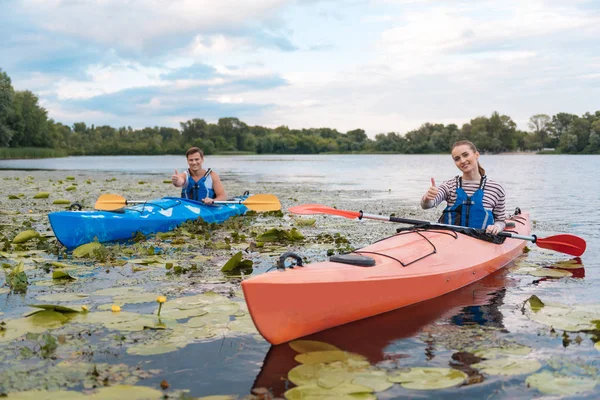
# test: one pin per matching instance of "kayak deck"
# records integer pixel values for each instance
(410, 267)
(74, 228)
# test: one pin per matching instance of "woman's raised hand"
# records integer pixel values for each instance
(432, 192)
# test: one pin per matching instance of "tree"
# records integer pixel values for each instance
(541, 126)
(6, 108)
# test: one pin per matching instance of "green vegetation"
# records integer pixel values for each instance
(26, 132)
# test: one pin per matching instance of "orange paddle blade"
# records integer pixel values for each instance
(568, 244)
(262, 202)
(110, 202)
(311, 209)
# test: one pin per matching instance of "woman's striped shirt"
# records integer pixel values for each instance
(494, 197)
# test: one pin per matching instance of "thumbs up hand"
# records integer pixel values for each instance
(432, 192)
(176, 179)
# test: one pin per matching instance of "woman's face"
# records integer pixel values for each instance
(465, 158)
(195, 161)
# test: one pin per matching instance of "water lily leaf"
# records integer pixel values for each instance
(535, 303)
(426, 378)
(42, 195)
(549, 383)
(550, 273)
(62, 297)
(17, 279)
(279, 235)
(36, 323)
(62, 274)
(146, 261)
(151, 349)
(135, 298)
(119, 291)
(305, 221)
(87, 250)
(71, 188)
(25, 236)
(314, 391)
(126, 392)
(57, 308)
(376, 380)
(62, 265)
(236, 262)
(307, 346)
(560, 316)
(61, 201)
(243, 325)
(509, 350)
(47, 395)
(327, 356)
(508, 366)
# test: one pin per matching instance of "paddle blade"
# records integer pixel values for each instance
(262, 202)
(568, 244)
(311, 209)
(110, 202)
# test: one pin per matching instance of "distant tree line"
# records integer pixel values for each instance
(25, 124)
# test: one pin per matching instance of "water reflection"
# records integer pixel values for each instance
(477, 303)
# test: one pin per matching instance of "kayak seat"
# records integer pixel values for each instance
(353, 259)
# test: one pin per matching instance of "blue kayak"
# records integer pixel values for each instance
(74, 228)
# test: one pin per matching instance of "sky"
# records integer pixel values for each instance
(379, 65)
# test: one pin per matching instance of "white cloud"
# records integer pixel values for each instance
(109, 79)
(133, 24)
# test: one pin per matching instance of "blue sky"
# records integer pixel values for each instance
(380, 65)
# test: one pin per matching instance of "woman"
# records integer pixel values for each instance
(472, 200)
(196, 183)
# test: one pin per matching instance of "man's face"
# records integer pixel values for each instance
(195, 161)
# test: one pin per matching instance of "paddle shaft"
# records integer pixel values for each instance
(429, 224)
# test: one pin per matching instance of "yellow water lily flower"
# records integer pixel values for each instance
(115, 308)
(84, 308)
(160, 300)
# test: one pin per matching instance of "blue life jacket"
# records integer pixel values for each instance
(468, 211)
(197, 190)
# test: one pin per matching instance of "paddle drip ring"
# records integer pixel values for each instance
(296, 260)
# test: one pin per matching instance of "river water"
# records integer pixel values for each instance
(561, 192)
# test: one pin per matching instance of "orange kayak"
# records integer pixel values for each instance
(409, 267)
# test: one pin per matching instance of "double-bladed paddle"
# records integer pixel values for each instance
(257, 202)
(564, 243)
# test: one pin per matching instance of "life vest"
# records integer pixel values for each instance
(468, 211)
(197, 190)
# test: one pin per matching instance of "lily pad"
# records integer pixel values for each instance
(61, 201)
(236, 262)
(327, 356)
(314, 391)
(42, 195)
(62, 274)
(549, 383)
(62, 297)
(57, 308)
(26, 236)
(508, 366)
(307, 346)
(426, 378)
(87, 250)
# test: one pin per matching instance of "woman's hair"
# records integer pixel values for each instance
(193, 150)
(472, 146)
